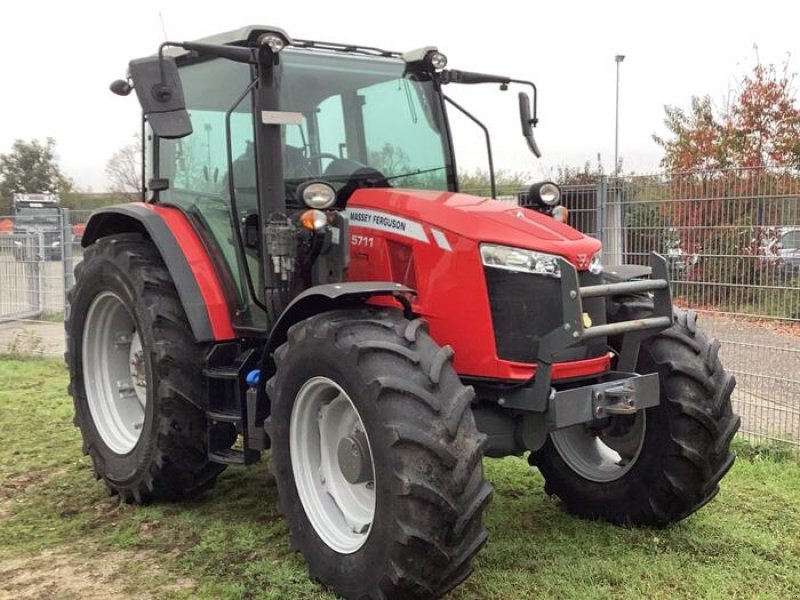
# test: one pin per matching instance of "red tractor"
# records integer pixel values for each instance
(305, 277)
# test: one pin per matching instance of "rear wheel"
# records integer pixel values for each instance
(135, 374)
(661, 464)
(376, 456)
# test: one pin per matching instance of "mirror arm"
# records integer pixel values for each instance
(234, 53)
(475, 120)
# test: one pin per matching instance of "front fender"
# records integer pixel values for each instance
(322, 298)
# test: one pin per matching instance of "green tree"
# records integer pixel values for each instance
(31, 167)
(567, 175)
(477, 182)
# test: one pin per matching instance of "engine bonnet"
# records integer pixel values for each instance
(481, 220)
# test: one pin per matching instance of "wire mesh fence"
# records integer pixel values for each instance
(37, 257)
(732, 242)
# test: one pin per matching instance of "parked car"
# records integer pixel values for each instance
(788, 249)
(679, 260)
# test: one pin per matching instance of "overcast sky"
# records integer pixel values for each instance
(57, 59)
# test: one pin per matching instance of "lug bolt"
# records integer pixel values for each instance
(567, 326)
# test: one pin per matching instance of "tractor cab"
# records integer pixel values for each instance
(289, 126)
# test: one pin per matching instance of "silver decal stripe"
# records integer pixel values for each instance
(441, 239)
(373, 219)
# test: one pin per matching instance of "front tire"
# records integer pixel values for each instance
(135, 374)
(664, 463)
(405, 523)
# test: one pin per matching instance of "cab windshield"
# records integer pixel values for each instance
(363, 118)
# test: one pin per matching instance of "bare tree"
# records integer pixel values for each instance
(124, 170)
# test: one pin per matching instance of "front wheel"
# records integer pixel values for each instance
(663, 463)
(376, 456)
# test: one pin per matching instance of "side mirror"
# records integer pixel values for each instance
(158, 87)
(527, 123)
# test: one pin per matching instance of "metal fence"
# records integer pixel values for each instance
(732, 242)
(36, 266)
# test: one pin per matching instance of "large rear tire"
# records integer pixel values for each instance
(405, 522)
(135, 374)
(664, 463)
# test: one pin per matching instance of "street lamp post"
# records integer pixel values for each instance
(618, 59)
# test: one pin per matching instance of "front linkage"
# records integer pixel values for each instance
(619, 392)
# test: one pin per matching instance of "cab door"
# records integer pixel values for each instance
(199, 178)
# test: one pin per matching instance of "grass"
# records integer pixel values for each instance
(232, 543)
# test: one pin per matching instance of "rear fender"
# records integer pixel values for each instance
(184, 255)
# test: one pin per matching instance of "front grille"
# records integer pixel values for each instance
(526, 307)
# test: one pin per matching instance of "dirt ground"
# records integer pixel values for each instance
(64, 572)
(42, 338)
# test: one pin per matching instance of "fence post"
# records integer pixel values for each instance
(601, 198)
(613, 226)
(39, 258)
(66, 253)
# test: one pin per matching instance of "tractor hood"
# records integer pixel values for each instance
(478, 219)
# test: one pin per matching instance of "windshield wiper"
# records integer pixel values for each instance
(373, 175)
(417, 172)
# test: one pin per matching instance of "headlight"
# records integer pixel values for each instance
(521, 260)
(596, 264)
(545, 192)
(317, 194)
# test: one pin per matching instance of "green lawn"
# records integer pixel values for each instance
(232, 543)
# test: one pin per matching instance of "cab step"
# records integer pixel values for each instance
(225, 416)
(231, 436)
(228, 457)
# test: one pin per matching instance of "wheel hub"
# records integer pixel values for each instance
(354, 458)
(138, 372)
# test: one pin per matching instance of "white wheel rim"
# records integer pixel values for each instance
(114, 373)
(340, 512)
(597, 456)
